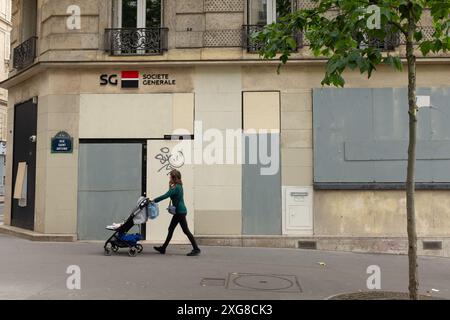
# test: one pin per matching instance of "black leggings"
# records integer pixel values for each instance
(180, 219)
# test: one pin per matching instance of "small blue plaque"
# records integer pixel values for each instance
(62, 142)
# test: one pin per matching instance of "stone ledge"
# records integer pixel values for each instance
(385, 245)
(35, 236)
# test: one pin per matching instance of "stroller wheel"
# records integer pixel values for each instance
(108, 249)
(115, 248)
(132, 252)
(139, 248)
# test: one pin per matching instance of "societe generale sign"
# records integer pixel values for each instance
(134, 79)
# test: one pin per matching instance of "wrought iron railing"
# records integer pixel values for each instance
(24, 54)
(253, 45)
(136, 41)
(395, 39)
(389, 43)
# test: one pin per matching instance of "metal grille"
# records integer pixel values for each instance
(432, 245)
(312, 245)
(387, 44)
(224, 6)
(306, 41)
(306, 4)
(222, 38)
(136, 41)
(24, 54)
(427, 33)
(392, 41)
(250, 44)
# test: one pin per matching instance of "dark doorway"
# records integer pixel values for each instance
(24, 151)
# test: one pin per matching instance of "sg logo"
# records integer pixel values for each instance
(106, 79)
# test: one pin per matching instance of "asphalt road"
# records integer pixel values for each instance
(31, 270)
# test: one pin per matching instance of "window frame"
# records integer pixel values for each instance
(141, 19)
(26, 34)
(271, 11)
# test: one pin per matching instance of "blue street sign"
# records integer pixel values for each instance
(62, 142)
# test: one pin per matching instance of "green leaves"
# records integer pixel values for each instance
(346, 38)
(395, 62)
(418, 35)
(425, 47)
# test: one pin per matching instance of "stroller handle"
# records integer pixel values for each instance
(144, 203)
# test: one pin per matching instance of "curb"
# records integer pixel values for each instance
(35, 236)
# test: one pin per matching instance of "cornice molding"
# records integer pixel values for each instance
(39, 67)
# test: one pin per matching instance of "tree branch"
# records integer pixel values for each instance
(399, 27)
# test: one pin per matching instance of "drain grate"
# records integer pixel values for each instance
(213, 282)
(432, 245)
(263, 282)
(311, 245)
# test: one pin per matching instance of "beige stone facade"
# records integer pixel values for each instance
(5, 57)
(213, 72)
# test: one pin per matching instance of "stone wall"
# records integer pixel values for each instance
(199, 30)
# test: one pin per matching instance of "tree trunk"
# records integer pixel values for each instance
(410, 181)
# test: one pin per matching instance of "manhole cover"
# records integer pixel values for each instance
(263, 282)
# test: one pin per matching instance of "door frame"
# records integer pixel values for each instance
(271, 11)
(31, 25)
(34, 102)
(141, 14)
(143, 142)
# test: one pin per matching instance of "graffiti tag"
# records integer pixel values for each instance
(170, 161)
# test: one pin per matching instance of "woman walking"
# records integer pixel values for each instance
(175, 194)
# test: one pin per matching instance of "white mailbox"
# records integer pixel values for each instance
(298, 211)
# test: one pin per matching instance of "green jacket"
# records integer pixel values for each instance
(176, 195)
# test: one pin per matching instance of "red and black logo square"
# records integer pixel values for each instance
(130, 79)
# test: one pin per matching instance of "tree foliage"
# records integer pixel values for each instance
(343, 32)
(340, 30)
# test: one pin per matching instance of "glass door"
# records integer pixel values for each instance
(257, 12)
(29, 18)
(129, 13)
(139, 13)
(140, 23)
(262, 12)
(153, 13)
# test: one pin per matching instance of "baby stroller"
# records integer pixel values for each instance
(120, 238)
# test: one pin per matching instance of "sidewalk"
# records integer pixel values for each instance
(36, 270)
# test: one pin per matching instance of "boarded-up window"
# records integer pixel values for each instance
(261, 111)
(261, 180)
(361, 136)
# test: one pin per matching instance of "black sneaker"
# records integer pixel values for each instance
(160, 250)
(194, 253)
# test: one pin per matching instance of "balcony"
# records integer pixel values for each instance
(389, 43)
(254, 46)
(136, 41)
(24, 54)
